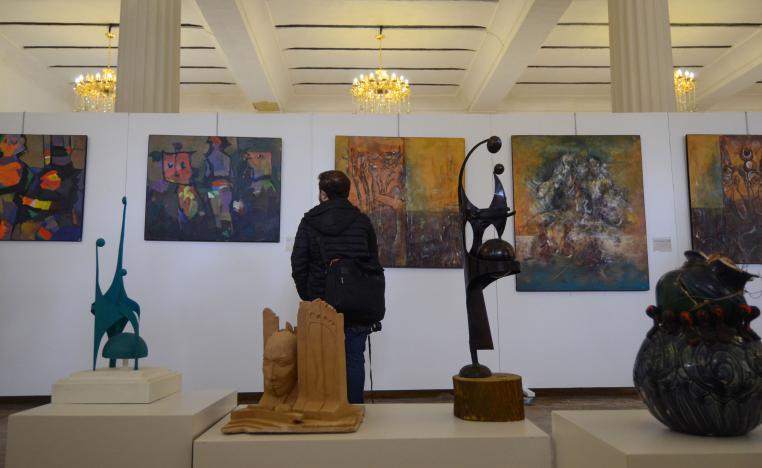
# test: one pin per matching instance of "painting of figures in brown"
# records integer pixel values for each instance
(408, 188)
(580, 215)
(725, 185)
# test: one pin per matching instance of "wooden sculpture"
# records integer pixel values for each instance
(304, 377)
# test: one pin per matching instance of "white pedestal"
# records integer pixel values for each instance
(635, 439)
(117, 385)
(391, 435)
(155, 435)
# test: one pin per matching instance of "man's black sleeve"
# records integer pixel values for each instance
(372, 242)
(300, 260)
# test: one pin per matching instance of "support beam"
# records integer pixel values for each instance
(235, 34)
(738, 68)
(641, 56)
(49, 87)
(149, 56)
(514, 37)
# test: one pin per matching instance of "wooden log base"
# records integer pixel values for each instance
(499, 397)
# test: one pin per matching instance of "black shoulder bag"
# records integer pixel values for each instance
(355, 287)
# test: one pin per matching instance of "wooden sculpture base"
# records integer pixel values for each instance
(499, 397)
(255, 420)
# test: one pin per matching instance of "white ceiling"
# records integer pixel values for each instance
(459, 55)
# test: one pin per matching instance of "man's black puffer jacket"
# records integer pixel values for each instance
(345, 232)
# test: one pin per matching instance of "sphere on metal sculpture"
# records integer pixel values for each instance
(699, 369)
(496, 250)
(493, 144)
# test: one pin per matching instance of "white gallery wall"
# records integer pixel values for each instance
(201, 301)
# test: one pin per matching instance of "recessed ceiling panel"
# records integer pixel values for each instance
(566, 56)
(369, 59)
(379, 12)
(438, 38)
(561, 89)
(343, 76)
(576, 75)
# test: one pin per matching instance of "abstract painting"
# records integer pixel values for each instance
(580, 216)
(213, 189)
(725, 186)
(42, 187)
(409, 189)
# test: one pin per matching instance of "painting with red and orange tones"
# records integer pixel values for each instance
(725, 186)
(580, 216)
(42, 187)
(213, 188)
(409, 189)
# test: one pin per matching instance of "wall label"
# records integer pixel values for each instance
(662, 244)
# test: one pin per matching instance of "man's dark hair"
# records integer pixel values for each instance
(335, 184)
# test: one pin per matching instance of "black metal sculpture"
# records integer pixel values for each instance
(484, 262)
(699, 369)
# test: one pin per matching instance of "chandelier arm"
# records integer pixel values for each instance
(109, 36)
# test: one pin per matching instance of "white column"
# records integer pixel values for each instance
(641, 56)
(148, 77)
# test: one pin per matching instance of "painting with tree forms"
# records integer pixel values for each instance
(409, 189)
(725, 186)
(580, 216)
(42, 187)
(213, 189)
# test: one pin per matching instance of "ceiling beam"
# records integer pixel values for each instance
(55, 81)
(735, 70)
(513, 38)
(232, 33)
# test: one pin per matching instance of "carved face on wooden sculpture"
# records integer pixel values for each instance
(279, 363)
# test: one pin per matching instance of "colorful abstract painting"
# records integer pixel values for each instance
(409, 189)
(42, 187)
(725, 185)
(580, 217)
(213, 189)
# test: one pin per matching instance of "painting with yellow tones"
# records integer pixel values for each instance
(725, 185)
(409, 189)
(580, 216)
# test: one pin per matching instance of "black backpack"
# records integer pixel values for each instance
(355, 287)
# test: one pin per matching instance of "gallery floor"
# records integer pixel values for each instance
(538, 412)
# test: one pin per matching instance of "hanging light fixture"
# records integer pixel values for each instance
(379, 92)
(97, 93)
(685, 90)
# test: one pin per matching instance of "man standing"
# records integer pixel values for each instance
(335, 229)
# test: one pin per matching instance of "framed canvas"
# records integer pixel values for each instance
(213, 188)
(725, 194)
(42, 187)
(580, 217)
(409, 189)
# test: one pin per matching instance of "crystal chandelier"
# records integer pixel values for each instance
(685, 90)
(379, 92)
(97, 93)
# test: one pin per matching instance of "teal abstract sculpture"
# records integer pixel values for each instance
(114, 310)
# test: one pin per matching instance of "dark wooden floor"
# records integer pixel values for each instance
(538, 412)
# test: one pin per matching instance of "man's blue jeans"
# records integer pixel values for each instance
(354, 340)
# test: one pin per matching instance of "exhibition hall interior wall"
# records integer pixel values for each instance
(202, 301)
